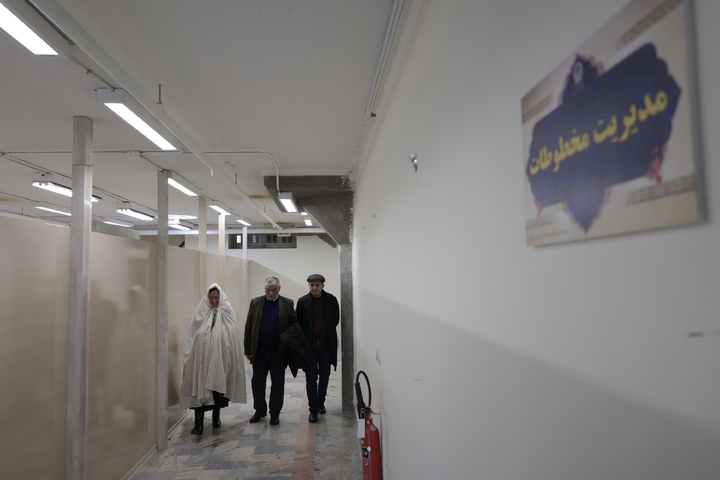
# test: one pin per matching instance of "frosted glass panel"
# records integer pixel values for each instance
(184, 293)
(234, 287)
(33, 348)
(121, 355)
(121, 399)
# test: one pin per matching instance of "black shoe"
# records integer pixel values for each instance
(313, 417)
(216, 418)
(274, 419)
(257, 416)
(322, 410)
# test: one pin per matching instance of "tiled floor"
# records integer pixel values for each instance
(238, 450)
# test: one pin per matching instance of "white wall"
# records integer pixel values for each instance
(291, 265)
(495, 360)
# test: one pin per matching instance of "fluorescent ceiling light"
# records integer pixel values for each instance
(308, 222)
(288, 202)
(174, 180)
(174, 183)
(52, 210)
(138, 124)
(303, 213)
(46, 181)
(180, 225)
(119, 223)
(243, 221)
(119, 102)
(53, 187)
(219, 209)
(135, 214)
(127, 208)
(23, 34)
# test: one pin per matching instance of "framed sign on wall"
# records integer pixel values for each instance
(611, 136)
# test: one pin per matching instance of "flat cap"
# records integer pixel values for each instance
(316, 277)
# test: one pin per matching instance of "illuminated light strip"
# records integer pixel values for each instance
(135, 214)
(139, 124)
(54, 211)
(174, 183)
(23, 34)
(57, 188)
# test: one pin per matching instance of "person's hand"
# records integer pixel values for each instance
(248, 357)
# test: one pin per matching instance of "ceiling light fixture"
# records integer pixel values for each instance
(46, 181)
(52, 210)
(26, 26)
(218, 207)
(288, 202)
(127, 108)
(180, 225)
(131, 210)
(244, 221)
(308, 222)
(175, 180)
(119, 223)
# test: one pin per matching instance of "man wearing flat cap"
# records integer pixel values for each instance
(318, 313)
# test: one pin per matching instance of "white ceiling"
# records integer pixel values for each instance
(247, 84)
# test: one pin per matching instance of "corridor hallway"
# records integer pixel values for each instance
(238, 450)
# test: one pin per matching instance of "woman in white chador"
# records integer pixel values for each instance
(213, 367)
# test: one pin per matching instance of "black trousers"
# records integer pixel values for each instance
(218, 400)
(263, 364)
(317, 376)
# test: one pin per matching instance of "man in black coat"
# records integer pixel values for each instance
(318, 313)
(268, 317)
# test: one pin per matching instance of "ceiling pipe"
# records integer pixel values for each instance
(71, 29)
(395, 14)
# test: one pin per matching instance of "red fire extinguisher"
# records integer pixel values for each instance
(370, 442)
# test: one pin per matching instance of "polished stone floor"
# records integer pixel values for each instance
(239, 450)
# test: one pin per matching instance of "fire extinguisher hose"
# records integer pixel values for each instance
(358, 392)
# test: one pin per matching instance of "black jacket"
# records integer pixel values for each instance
(293, 349)
(254, 320)
(331, 311)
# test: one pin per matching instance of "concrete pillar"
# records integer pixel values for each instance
(202, 242)
(221, 235)
(221, 280)
(75, 435)
(245, 299)
(202, 224)
(346, 327)
(162, 311)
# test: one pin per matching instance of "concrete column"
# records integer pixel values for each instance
(75, 435)
(162, 311)
(346, 328)
(202, 242)
(221, 279)
(245, 300)
(202, 224)
(221, 235)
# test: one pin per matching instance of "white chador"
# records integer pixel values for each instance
(213, 357)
